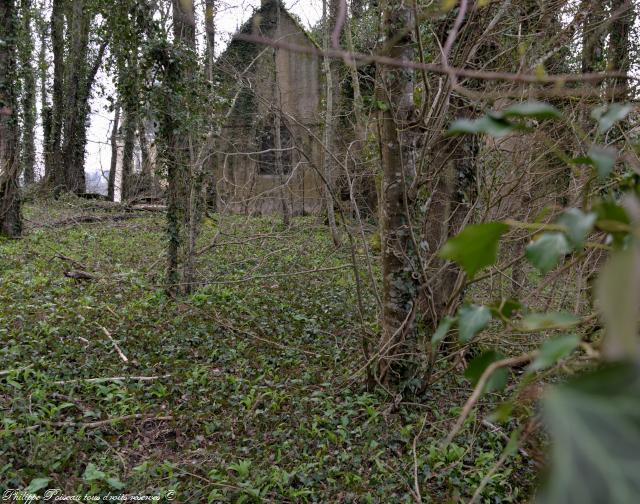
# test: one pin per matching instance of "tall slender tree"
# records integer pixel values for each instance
(28, 78)
(10, 210)
(329, 13)
(115, 126)
(398, 166)
(623, 12)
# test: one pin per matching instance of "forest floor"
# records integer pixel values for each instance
(253, 386)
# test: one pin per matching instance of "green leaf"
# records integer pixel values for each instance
(471, 320)
(545, 252)
(115, 483)
(603, 159)
(618, 297)
(608, 116)
(533, 109)
(492, 126)
(544, 321)
(443, 329)
(476, 247)
(92, 473)
(554, 350)
(477, 366)
(578, 225)
(613, 219)
(37, 484)
(594, 422)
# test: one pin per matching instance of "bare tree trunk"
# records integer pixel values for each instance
(28, 156)
(329, 124)
(111, 184)
(145, 153)
(129, 135)
(10, 212)
(398, 164)
(365, 182)
(286, 210)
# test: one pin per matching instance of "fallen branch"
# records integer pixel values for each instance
(16, 370)
(116, 346)
(83, 219)
(90, 425)
(112, 379)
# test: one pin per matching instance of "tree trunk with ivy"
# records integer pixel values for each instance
(210, 32)
(10, 211)
(398, 164)
(28, 77)
(174, 134)
(619, 43)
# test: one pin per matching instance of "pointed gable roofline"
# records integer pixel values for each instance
(264, 19)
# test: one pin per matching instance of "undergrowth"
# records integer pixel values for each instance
(255, 390)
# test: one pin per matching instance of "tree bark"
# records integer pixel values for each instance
(28, 155)
(45, 107)
(111, 184)
(54, 167)
(10, 210)
(210, 31)
(593, 36)
(398, 165)
(619, 43)
(329, 16)
(176, 138)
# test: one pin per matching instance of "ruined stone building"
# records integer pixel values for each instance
(269, 148)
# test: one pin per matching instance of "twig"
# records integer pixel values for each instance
(116, 346)
(16, 370)
(559, 79)
(482, 382)
(111, 379)
(90, 425)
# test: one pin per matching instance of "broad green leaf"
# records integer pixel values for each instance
(471, 320)
(608, 116)
(618, 298)
(37, 484)
(443, 329)
(603, 159)
(477, 366)
(594, 421)
(492, 126)
(533, 109)
(613, 219)
(545, 252)
(475, 247)
(554, 350)
(545, 321)
(578, 225)
(92, 473)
